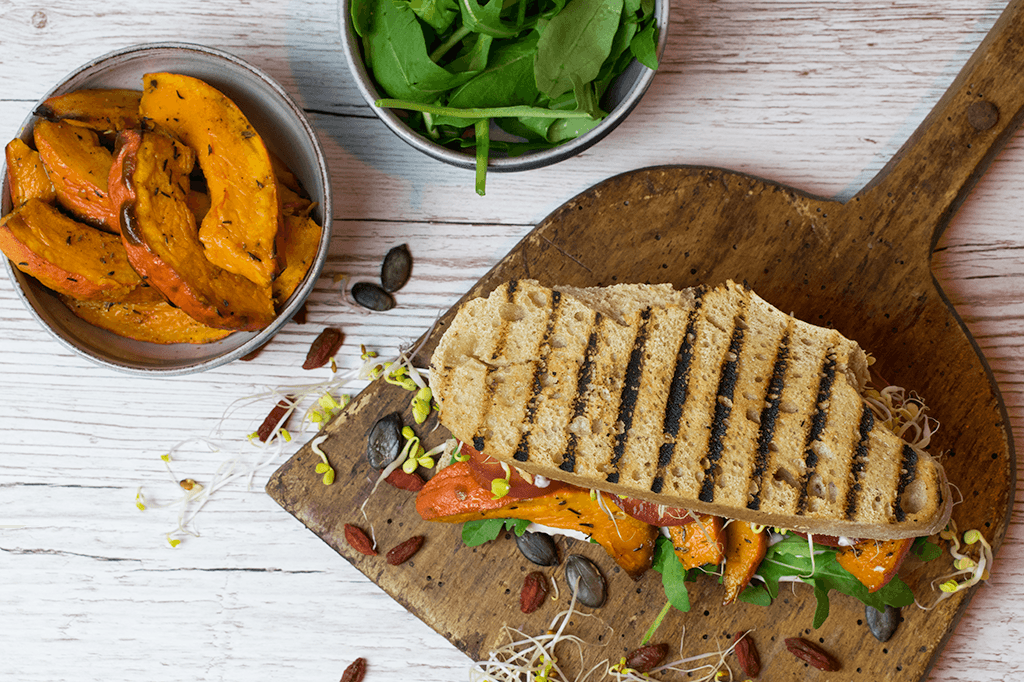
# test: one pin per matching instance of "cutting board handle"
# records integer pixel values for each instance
(924, 184)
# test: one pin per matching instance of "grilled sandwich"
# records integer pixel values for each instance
(707, 399)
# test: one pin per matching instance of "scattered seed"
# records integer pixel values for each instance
(882, 623)
(384, 443)
(396, 268)
(372, 296)
(585, 580)
(538, 548)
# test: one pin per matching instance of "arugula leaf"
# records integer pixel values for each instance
(925, 550)
(401, 65)
(575, 43)
(476, 533)
(486, 18)
(790, 558)
(644, 46)
(673, 576)
(438, 14)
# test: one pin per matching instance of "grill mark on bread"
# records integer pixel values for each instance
(579, 402)
(723, 410)
(501, 341)
(630, 391)
(769, 418)
(818, 421)
(908, 471)
(678, 392)
(860, 455)
(522, 452)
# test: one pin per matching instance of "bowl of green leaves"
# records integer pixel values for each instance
(503, 85)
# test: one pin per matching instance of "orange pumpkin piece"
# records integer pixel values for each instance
(102, 110)
(66, 255)
(745, 547)
(26, 174)
(240, 229)
(150, 182)
(454, 496)
(301, 237)
(874, 562)
(155, 322)
(699, 543)
(78, 166)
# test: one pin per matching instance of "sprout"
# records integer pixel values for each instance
(323, 467)
(972, 570)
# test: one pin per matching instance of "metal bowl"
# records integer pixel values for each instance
(287, 133)
(620, 99)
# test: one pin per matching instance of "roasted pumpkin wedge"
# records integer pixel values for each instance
(154, 322)
(78, 166)
(149, 182)
(745, 547)
(240, 229)
(301, 241)
(26, 174)
(102, 110)
(874, 562)
(66, 255)
(454, 496)
(699, 543)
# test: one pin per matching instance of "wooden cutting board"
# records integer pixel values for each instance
(862, 266)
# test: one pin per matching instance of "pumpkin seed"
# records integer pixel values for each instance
(538, 548)
(384, 443)
(882, 623)
(396, 268)
(585, 580)
(370, 295)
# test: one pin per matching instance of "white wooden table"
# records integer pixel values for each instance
(814, 94)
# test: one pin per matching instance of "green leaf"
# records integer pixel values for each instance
(362, 16)
(401, 65)
(926, 550)
(438, 14)
(790, 558)
(673, 575)
(755, 594)
(486, 18)
(476, 533)
(507, 80)
(644, 46)
(575, 43)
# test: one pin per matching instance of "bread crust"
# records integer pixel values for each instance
(707, 398)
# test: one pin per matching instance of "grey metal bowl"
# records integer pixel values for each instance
(286, 131)
(620, 99)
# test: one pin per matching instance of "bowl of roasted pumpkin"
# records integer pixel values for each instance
(166, 209)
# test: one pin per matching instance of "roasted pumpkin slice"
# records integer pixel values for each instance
(454, 496)
(874, 562)
(149, 183)
(66, 255)
(699, 543)
(26, 174)
(155, 322)
(745, 547)
(101, 110)
(301, 238)
(78, 166)
(240, 229)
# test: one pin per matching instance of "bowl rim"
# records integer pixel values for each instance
(23, 283)
(527, 161)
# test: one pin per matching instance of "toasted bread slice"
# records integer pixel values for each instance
(708, 399)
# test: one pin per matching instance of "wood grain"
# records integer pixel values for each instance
(815, 95)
